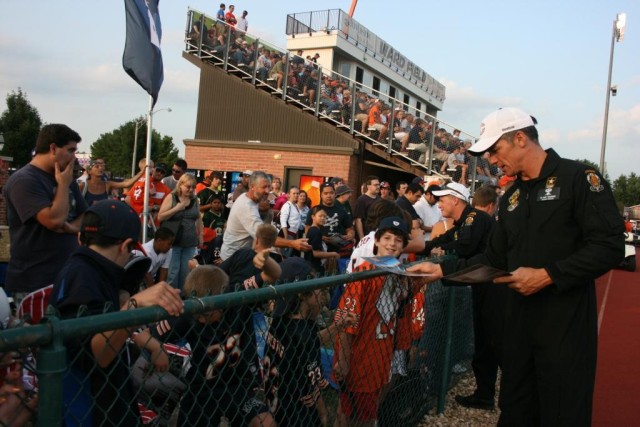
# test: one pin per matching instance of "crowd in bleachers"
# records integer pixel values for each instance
(374, 115)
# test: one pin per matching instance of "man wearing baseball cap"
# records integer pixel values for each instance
(92, 278)
(243, 186)
(559, 230)
(343, 194)
(471, 227)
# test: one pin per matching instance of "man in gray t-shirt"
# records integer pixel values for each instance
(177, 170)
(44, 210)
(244, 220)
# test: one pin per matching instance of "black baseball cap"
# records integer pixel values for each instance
(325, 185)
(293, 269)
(432, 188)
(394, 222)
(161, 167)
(117, 220)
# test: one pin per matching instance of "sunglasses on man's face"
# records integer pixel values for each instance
(176, 171)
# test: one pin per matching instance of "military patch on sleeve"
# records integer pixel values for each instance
(513, 200)
(593, 179)
(469, 220)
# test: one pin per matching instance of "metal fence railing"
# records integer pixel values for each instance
(275, 349)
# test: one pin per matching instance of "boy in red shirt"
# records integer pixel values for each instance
(157, 192)
(363, 353)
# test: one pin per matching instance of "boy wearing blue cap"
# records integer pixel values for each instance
(97, 384)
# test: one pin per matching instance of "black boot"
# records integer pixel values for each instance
(473, 401)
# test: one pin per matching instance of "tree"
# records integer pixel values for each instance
(589, 163)
(593, 165)
(626, 189)
(116, 148)
(20, 124)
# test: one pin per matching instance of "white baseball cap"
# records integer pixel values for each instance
(454, 189)
(497, 124)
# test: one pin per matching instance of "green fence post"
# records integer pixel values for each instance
(444, 385)
(52, 364)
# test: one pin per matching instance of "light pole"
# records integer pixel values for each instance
(139, 123)
(616, 36)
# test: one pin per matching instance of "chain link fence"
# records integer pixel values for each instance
(270, 356)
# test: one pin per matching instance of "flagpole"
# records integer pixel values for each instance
(147, 172)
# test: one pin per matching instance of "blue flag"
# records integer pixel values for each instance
(142, 58)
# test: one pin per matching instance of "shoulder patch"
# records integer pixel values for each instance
(513, 200)
(469, 220)
(593, 179)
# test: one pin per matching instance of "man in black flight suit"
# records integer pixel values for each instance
(558, 230)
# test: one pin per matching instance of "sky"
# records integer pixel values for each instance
(548, 57)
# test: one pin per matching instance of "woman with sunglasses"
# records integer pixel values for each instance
(97, 187)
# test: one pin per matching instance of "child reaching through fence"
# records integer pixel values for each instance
(222, 378)
(363, 353)
(292, 363)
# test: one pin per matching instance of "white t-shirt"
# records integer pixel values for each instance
(428, 214)
(170, 182)
(244, 220)
(290, 217)
(158, 261)
(242, 24)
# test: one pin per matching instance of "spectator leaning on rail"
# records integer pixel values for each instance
(244, 219)
(559, 229)
(97, 384)
(44, 210)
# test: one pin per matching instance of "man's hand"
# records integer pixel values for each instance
(340, 370)
(161, 294)
(526, 280)
(260, 259)
(433, 270)
(160, 360)
(16, 407)
(347, 320)
(301, 245)
(64, 177)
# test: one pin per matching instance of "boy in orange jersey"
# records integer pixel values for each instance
(363, 353)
